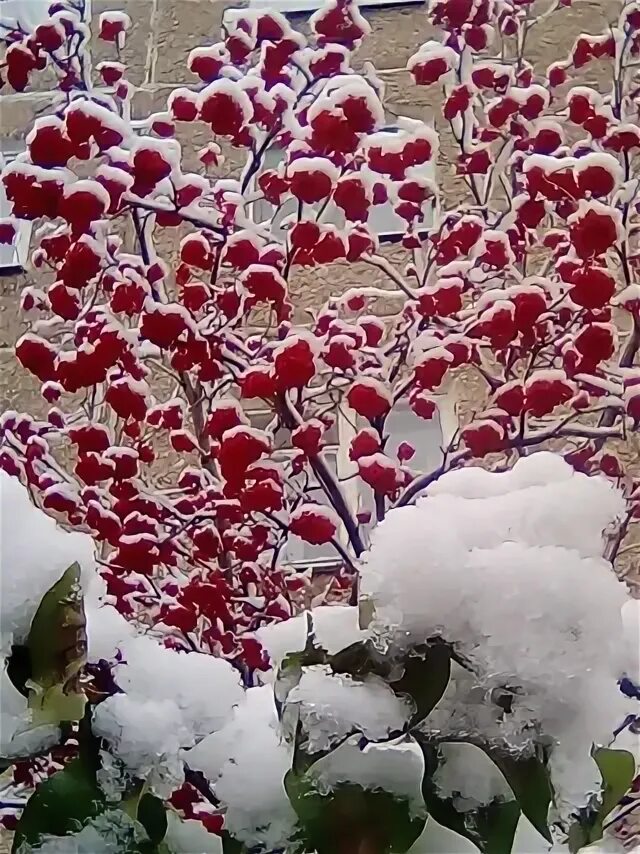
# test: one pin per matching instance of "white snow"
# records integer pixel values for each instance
(469, 777)
(203, 688)
(35, 553)
(246, 762)
(515, 580)
(17, 735)
(146, 735)
(396, 767)
(335, 627)
(188, 836)
(333, 706)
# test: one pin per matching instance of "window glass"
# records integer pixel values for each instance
(15, 254)
(383, 220)
(298, 551)
(403, 425)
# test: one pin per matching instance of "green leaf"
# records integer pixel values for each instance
(57, 646)
(19, 668)
(152, 815)
(491, 828)
(361, 819)
(231, 845)
(289, 672)
(60, 805)
(617, 769)
(360, 659)
(425, 680)
(579, 836)
(496, 825)
(530, 783)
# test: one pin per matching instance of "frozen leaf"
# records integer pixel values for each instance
(425, 679)
(491, 826)
(69, 798)
(57, 646)
(361, 818)
(618, 769)
(530, 782)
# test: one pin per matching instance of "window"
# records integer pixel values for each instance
(24, 14)
(13, 256)
(298, 552)
(402, 426)
(293, 6)
(382, 220)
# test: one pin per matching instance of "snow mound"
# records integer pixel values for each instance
(395, 767)
(171, 700)
(112, 832)
(204, 689)
(332, 706)
(335, 627)
(146, 736)
(35, 553)
(508, 568)
(246, 762)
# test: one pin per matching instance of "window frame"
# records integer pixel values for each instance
(383, 236)
(24, 228)
(347, 425)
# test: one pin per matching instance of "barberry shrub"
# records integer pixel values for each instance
(194, 397)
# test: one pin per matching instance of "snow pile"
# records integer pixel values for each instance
(111, 832)
(335, 627)
(508, 567)
(146, 735)
(631, 624)
(467, 776)
(35, 553)
(205, 689)
(246, 762)
(17, 737)
(332, 706)
(395, 767)
(171, 700)
(188, 835)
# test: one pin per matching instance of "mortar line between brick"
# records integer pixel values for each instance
(152, 47)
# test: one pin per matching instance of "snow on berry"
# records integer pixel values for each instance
(431, 62)
(113, 27)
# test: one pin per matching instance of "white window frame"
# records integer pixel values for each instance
(315, 556)
(290, 7)
(357, 495)
(384, 235)
(13, 256)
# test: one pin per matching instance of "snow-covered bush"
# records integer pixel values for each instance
(204, 421)
(474, 689)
